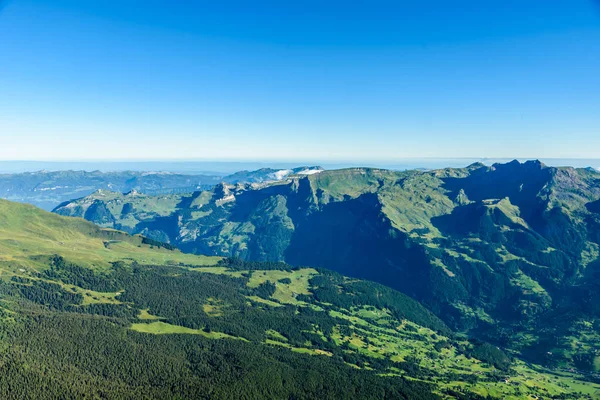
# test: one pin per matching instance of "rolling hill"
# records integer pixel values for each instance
(508, 253)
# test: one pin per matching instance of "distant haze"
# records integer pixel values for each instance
(228, 167)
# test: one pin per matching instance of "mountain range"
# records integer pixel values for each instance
(48, 189)
(96, 313)
(507, 253)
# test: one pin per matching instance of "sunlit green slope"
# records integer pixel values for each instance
(508, 253)
(27, 235)
(108, 319)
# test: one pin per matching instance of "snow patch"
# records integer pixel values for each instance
(156, 173)
(282, 173)
(310, 171)
(49, 188)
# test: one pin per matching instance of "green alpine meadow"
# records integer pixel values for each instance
(508, 254)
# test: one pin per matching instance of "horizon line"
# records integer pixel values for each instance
(264, 160)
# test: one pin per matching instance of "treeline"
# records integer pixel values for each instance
(66, 356)
(237, 264)
(332, 288)
(158, 244)
(93, 343)
(60, 348)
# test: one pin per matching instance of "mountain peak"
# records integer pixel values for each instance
(476, 165)
(132, 192)
(535, 163)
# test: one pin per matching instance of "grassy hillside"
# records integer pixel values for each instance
(116, 324)
(28, 237)
(498, 252)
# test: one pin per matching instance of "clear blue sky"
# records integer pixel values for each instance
(323, 80)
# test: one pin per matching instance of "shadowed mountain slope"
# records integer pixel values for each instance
(97, 313)
(498, 251)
